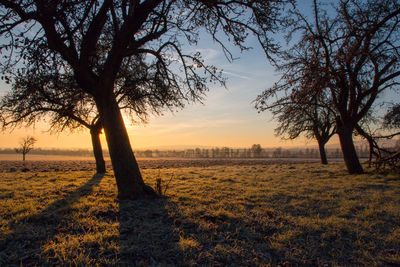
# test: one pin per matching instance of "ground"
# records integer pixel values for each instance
(213, 215)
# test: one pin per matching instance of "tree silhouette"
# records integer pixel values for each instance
(256, 149)
(58, 99)
(352, 55)
(55, 98)
(26, 145)
(388, 130)
(315, 119)
(93, 39)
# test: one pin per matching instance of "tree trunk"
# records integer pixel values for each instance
(126, 170)
(322, 152)
(23, 156)
(349, 151)
(97, 150)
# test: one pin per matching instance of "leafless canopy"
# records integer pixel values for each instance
(350, 54)
(26, 145)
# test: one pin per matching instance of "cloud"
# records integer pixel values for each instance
(208, 54)
(237, 75)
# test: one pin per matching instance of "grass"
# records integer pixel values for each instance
(300, 214)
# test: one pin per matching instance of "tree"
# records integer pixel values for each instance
(93, 39)
(353, 55)
(256, 149)
(316, 119)
(56, 98)
(59, 99)
(374, 136)
(26, 145)
(364, 63)
(148, 153)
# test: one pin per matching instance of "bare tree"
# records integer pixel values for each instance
(376, 136)
(362, 62)
(93, 39)
(353, 55)
(54, 98)
(26, 145)
(315, 119)
(59, 100)
(299, 100)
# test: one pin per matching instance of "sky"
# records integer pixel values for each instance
(225, 118)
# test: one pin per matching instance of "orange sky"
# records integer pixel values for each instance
(190, 127)
(152, 137)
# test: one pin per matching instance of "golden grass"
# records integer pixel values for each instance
(305, 214)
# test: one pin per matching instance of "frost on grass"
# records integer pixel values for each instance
(305, 214)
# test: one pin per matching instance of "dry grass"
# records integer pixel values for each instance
(305, 214)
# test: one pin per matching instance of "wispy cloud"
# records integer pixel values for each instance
(208, 54)
(241, 76)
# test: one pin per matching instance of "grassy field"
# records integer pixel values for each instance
(249, 215)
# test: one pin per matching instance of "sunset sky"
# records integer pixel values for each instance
(226, 118)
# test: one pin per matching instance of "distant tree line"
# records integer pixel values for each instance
(226, 152)
(211, 153)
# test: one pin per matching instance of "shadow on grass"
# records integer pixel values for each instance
(161, 232)
(147, 233)
(190, 230)
(334, 230)
(23, 245)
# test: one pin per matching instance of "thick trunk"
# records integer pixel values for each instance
(97, 150)
(23, 156)
(126, 170)
(322, 152)
(349, 151)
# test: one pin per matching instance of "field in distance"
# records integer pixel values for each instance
(237, 215)
(47, 163)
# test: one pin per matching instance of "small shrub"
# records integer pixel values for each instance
(161, 187)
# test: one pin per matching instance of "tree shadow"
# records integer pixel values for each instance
(24, 244)
(160, 232)
(183, 231)
(165, 232)
(147, 233)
